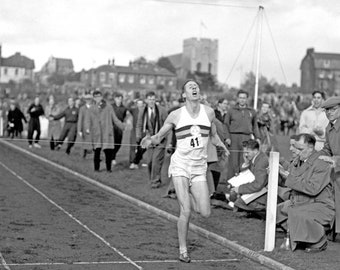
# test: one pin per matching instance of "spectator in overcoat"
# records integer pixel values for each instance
(14, 120)
(331, 149)
(150, 121)
(136, 151)
(35, 110)
(99, 124)
(85, 137)
(310, 208)
(54, 126)
(121, 113)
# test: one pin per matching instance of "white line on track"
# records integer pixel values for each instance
(3, 262)
(119, 262)
(253, 255)
(71, 216)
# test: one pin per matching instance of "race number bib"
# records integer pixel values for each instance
(196, 138)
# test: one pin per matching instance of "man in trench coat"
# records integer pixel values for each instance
(310, 208)
(331, 149)
(99, 124)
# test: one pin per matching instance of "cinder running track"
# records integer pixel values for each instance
(52, 220)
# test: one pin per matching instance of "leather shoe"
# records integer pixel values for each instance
(156, 184)
(316, 250)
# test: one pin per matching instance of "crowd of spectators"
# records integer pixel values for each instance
(97, 121)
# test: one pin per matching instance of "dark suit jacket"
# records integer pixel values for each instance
(142, 125)
(259, 169)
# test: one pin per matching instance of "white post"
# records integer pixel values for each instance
(258, 59)
(269, 241)
(1, 126)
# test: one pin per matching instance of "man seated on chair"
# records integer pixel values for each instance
(310, 208)
(257, 162)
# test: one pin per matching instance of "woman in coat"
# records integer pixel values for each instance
(14, 121)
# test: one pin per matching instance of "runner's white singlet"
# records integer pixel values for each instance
(192, 136)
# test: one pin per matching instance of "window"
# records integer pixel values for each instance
(198, 67)
(102, 77)
(131, 78)
(5, 71)
(160, 81)
(321, 75)
(16, 72)
(121, 78)
(93, 78)
(111, 76)
(142, 79)
(170, 83)
(326, 63)
(151, 80)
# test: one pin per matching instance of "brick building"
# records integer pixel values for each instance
(320, 71)
(138, 75)
(61, 66)
(16, 68)
(104, 76)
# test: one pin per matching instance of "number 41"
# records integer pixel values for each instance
(194, 142)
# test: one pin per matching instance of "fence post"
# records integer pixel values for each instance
(1, 126)
(269, 242)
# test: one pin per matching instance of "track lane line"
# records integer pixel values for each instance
(3, 262)
(119, 262)
(69, 215)
(251, 254)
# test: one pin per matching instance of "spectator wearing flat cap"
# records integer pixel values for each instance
(331, 150)
(85, 137)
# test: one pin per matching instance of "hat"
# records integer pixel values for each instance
(88, 96)
(331, 102)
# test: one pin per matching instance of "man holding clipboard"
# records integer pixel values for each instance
(250, 185)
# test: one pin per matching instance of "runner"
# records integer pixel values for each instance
(193, 124)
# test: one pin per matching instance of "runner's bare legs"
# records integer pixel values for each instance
(195, 197)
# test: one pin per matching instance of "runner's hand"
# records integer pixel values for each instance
(226, 152)
(146, 141)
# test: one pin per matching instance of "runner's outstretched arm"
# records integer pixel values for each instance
(157, 138)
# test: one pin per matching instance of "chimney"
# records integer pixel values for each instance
(0, 53)
(310, 50)
(109, 62)
(113, 61)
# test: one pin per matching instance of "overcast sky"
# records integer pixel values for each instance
(92, 31)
